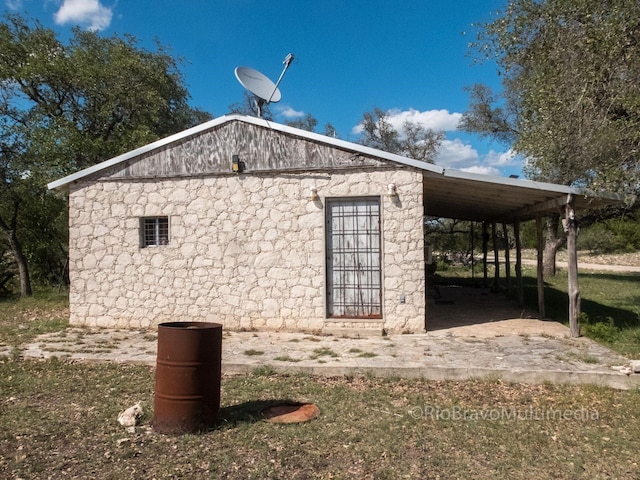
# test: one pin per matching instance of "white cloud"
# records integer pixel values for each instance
(453, 153)
(456, 154)
(502, 159)
(484, 170)
(462, 156)
(14, 4)
(89, 13)
(289, 112)
(430, 119)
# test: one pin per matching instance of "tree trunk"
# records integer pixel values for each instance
(552, 244)
(23, 268)
(18, 255)
(571, 229)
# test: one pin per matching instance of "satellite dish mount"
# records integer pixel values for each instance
(263, 89)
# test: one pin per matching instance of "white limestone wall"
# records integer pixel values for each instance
(247, 251)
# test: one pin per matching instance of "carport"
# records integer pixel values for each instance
(495, 200)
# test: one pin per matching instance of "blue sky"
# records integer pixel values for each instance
(409, 58)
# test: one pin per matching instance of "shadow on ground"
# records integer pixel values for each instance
(247, 412)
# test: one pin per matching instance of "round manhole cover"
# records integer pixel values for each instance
(290, 412)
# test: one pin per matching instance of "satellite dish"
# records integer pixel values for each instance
(260, 85)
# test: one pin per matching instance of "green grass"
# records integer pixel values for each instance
(287, 358)
(609, 304)
(323, 352)
(22, 319)
(362, 354)
(367, 355)
(251, 352)
(58, 420)
(579, 357)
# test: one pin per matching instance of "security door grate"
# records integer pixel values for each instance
(353, 258)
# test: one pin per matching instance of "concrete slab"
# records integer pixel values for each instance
(472, 333)
(445, 354)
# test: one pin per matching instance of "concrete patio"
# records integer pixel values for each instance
(471, 334)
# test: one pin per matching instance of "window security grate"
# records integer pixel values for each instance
(155, 231)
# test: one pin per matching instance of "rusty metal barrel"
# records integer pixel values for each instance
(188, 370)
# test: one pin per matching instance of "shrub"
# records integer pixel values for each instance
(605, 331)
(615, 235)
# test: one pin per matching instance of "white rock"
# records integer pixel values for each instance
(625, 369)
(635, 366)
(130, 417)
(621, 368)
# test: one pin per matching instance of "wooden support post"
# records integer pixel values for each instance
(485, 248)
(540, 267)
(519, 284)
(507, 259)
(496, 257)
(571, 230)
(473, 261)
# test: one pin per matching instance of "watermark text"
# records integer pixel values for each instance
(504, 413)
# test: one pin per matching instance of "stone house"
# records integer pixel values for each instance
(256, 225)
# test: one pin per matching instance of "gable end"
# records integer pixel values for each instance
(260, 149)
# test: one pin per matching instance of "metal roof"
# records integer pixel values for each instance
(447, 192)
(468, 196)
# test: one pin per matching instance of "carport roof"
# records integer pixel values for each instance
(468, 196)
(447, 192)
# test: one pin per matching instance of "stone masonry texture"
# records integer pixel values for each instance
(246, 250)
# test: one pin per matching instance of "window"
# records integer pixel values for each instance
(154, 231)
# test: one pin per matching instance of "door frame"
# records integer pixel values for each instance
(359, 291)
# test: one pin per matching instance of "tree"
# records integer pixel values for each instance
(488, 117)
(570, 72)
(570, 103)
(249, 106)
(308, 123)
(330, 131)
(66, 107)
(413, 140)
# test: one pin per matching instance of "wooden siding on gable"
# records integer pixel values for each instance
(259, 148)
